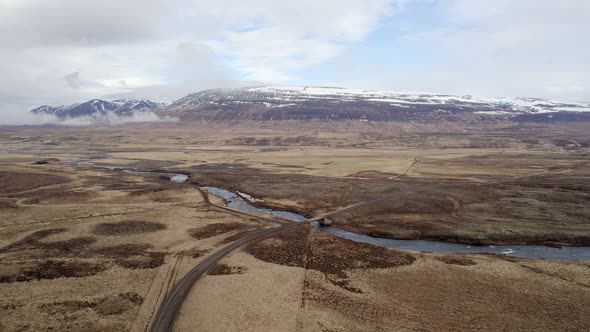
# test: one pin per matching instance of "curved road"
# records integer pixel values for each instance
(165, 317)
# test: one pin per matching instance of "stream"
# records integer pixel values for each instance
(517, 250)
(235, 201)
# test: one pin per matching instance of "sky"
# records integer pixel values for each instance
(65, 51)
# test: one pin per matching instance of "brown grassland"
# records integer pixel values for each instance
(83, 248)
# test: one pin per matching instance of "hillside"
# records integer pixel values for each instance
(95, 107)
(282, 103)
(322, 103)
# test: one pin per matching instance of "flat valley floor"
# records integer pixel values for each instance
(87, 248)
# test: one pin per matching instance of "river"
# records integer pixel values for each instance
(235, 201)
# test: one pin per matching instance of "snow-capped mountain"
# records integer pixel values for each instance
(96, 107)
(272, 103)
(302, 103)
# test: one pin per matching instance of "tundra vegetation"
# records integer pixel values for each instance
(86, 248)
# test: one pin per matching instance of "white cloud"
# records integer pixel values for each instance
(270, 55)
(64, 51)
(16, 118)
(506, 47)
(110, 119)
(271, 41)
(36, 23)
(69, 50)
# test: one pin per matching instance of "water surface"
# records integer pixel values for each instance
(235, 201)
(526, 251)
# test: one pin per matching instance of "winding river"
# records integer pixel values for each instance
(235, 201)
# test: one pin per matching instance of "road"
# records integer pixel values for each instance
(369, 202)
(164, 318)
(348, 208)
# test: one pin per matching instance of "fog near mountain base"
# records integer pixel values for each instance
(18, 118)
(68, 51)
(15, 117)
(110, 119)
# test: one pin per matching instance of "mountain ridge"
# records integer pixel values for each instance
(268, 103)
(119, 107)
(276, 103)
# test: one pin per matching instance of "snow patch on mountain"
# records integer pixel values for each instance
(119, 107)
(100, 112)
(285, 96)
(516, 105)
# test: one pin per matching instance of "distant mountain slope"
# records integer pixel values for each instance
(274, 103)
(324, 103)
(96, 107)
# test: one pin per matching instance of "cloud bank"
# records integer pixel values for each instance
(65, 51)
(98, 119)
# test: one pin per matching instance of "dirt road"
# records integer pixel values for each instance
(165, 317)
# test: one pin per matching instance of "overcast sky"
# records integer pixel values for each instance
(64, 51)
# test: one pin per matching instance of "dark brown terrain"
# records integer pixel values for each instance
(83, 248)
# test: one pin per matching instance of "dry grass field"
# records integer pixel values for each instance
(83, 248)
(332, 284)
